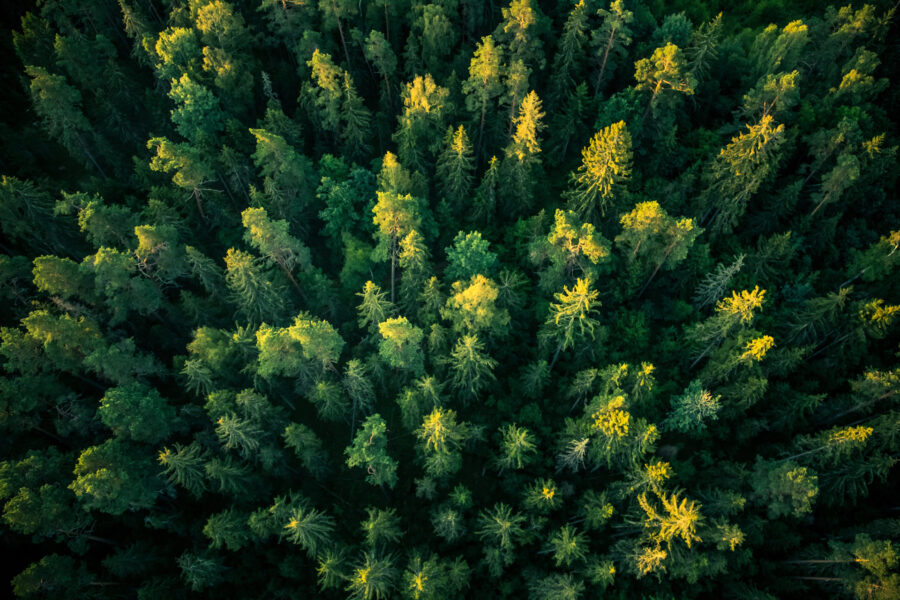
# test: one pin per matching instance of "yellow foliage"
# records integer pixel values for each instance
(851, 435)
(742, 304)
(756, 349)
(613, 420)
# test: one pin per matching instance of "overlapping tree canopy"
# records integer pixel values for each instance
(393, 299)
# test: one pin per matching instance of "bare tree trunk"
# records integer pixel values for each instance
(609, 45)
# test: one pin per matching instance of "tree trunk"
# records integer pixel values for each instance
(818, 206)
(655, 271)
(609, 45)
(702, 354)
(293, 281)
(652, 98)
(393, 265)
(90, 156)
(343, 42)
(555, 356)
(199, 205)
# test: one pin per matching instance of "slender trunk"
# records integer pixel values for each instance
(818, 206)
(226, 188)
(199, 205)
(84, 148)
(816, 562)
(702, 354)
(102, 540)
(387, 24)
(512, 115)
(555, 356)
(387, 91)
(807, 453)
(48, 434)
(658, 266)
(343, 43)
(609, 45)
(636, 248)
(652, 98)
(481, 129)
(655, 271)
(90, 382)
(293, 281)
(393, 265)
(152, 11)
(852, 279)
(824, 348)
(859, 407)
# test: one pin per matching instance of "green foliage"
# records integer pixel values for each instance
(605, 166)
(400, 344)
(369, 451)
(138, 413)
(468, 256)
(255, 248)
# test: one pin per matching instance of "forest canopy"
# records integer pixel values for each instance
(388, 299)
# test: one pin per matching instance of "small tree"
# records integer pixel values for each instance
(395, 216)
(472, 367)
(611, 38)
(401, 344)
(575, 307)
(662, 73)
(369, 450)
(655, 238)
(605, 166)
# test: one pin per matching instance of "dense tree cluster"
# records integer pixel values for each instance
(544, 299)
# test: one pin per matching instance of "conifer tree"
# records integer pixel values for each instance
(739, 170)
(663, 74)
(369, 451)
(472, 367)
(611, 38)
(520, 168)
(605, 166)
(575, 307)
(484, 84)
(455, 169)
(256, 297)
(655, 238)
(59, 106)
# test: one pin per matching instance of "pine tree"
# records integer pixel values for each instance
(395, 216)
(576, 305)
(517, 447)
(272, 240)
(369, 450)
(400, 345)
(484, 84)
(656, 239)
(455, 169)
(58, 104)
(373, 578)
(611, 39)
(739, 170)
(565, 69)
(605, 166)
(256, 297)
(309, 528)
(663, 71)
(374, 308)
(472, 368)
(422, 121)
(183, 465)
(520, 168)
